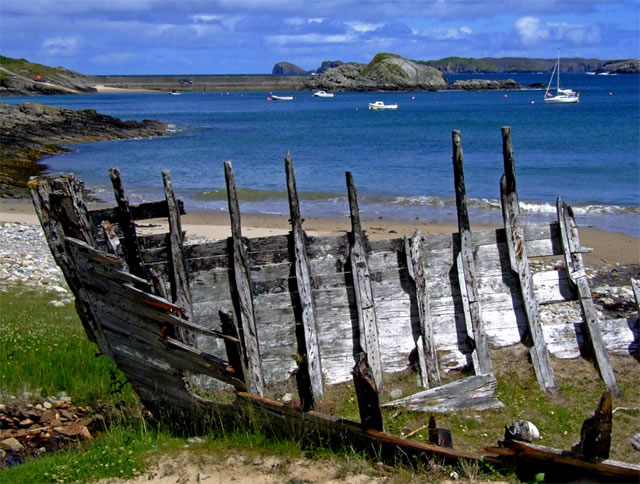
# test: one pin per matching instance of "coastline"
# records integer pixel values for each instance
(609, 248)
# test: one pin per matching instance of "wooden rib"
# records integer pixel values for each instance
(132, 253)
(141, 211)
(367, 320)
(311, 350)
(578, 276)
(246, 325)
(635, 284)
(233, 348)
(466, 265)
(427, 355)
(180, 291)
(367, 395)
(520, 265)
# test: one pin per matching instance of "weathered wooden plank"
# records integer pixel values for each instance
(368, 325)
(576, 269)
(141, 211)
(520, 265)
(132, 252)
(244, 313)
(466, 265)
(233, 349)
(67, 204)
(635, 284)
(427, 355)
(474, 392)
(367, 394)
(310, 384)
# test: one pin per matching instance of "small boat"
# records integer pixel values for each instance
(563, 96)
(380, 106)
(282, 98)
(322, 94)
(175, 93)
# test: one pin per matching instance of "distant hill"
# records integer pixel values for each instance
(512, 65)
(21, 77)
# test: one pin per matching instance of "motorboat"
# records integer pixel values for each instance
(563, 96)
(322, 94)
(281, 98)
(175, 93)
(381, 106)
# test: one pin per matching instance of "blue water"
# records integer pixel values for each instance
(589, 153)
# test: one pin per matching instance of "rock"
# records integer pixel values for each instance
(385, 72)
(287, 69)
(521, 430)
(635, 441)
(287, 398)
(11, 444)
(396, 393)
(485, 85)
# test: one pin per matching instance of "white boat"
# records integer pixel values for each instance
(563, 96)
(322, 94)
(380, 106)
(175, 93)
(281, 98)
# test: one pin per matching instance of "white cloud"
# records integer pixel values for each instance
(308, 39)
(531, 31)
(362, 27)
(62, 46)
(205, 18)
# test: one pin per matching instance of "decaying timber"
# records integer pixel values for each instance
(178, 318)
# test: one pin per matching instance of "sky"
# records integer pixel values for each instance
(251, 36)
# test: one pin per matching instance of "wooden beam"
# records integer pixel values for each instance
(132, 252)
(366, 309)
(68, 205)
(367, 395)
(246, 325)
(234, 349)
(635, 285)
(466, 267)
(141, 211)
(426, 346)
(595, 434)
(310, 351)
(578, 276)
(180, 291)
(520, 265)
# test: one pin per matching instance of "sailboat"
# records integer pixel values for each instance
(563, 96)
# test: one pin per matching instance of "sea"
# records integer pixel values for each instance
(401, 161)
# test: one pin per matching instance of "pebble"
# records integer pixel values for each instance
(25, 260)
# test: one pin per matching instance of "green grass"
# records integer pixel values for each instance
(44, 350)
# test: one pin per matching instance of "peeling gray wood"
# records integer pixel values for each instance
(304, 290)
(520, 265)
(427, 356)
(466, 266)
(635, 284)
(132, 252)
(368, 324)
(471, 393)
(577, 274)
(245, 316)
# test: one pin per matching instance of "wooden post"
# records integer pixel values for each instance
(132, 252)
(234, 350)
(367, 395)
(180, 292)
(466, 267)
(244, 301)
(427, 356)
(66, 199)
(635, 285)
(367, 320)
(311, 356)
(595, 434)
(520, 265)
(575, 268)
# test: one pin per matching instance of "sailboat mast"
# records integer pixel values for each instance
(558, 77)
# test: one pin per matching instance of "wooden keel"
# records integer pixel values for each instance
(367, 321)
(466, 267)
(578, 276)
(245, 316)
(310, 364)
(520, 265)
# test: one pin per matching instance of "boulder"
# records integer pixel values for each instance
(287, 69)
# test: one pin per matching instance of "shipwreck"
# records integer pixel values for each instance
(180, 318)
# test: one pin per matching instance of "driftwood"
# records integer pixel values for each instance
(252, 312)
(595, 435)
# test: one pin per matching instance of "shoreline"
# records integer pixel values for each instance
(609, 248)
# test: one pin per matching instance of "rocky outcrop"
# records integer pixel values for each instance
(386, 72)
(287, 69)
(326, 65)
(628, 66)
(29, 132)
(485, 85)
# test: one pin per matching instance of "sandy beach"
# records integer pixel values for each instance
(609, 248)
